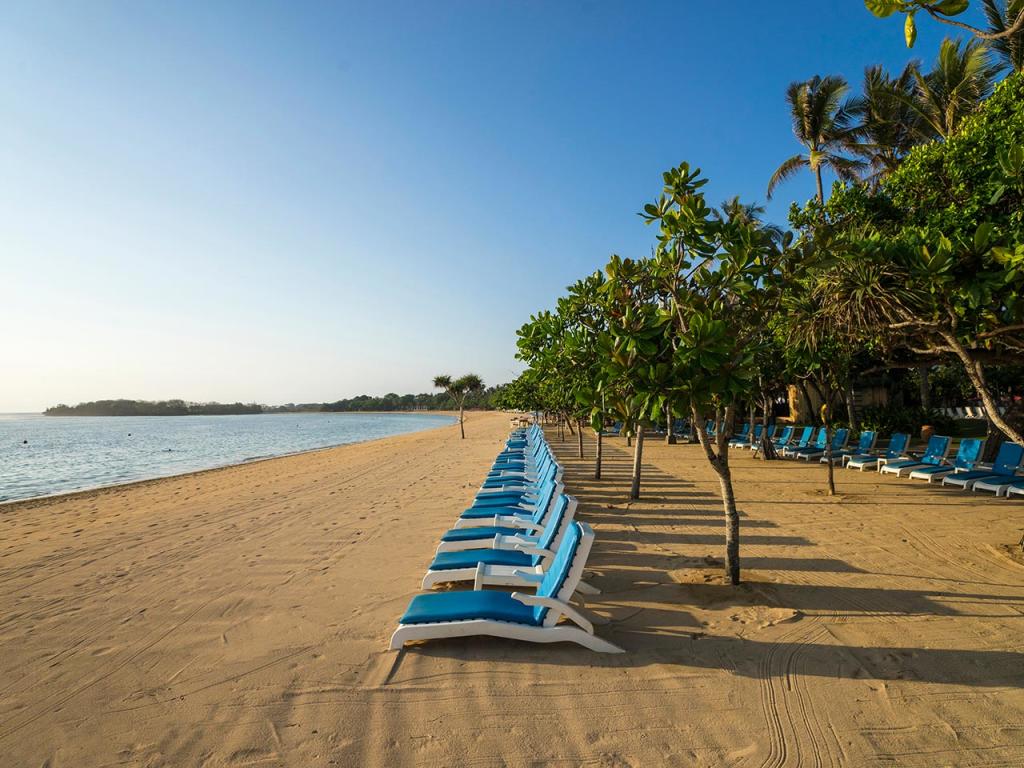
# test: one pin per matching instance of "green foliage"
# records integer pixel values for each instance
(896, 418)
(152, 408)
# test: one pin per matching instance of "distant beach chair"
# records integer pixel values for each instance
(839, 439)
(896, 448)
(998, 478)
(805, 441)
(934, 455)
(966, 458)
(533, 618)
(865, 445)
(742, 435)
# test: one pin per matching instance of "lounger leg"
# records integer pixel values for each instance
(587, 589)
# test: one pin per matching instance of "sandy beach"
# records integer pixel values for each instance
(241, 617)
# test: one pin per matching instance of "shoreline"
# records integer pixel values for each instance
(31, 501)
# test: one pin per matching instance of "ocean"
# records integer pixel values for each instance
(44, 455)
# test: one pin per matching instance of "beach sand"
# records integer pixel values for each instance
(241, 617)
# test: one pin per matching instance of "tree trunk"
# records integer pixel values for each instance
(462, 426)
(638, 455)
(750, 435)
(976, 374)
(827, 417)
(851, 410)
(597, 458)
(720, 463)
(579, 434)
(926, 390)
(670, 438)
(821, 190)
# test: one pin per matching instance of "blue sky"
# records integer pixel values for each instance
(292, 202)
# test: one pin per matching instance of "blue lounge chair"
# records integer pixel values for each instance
(477, 536)
(967, 455)
(896, 448)
(741, 436)
(934, 455)
(865, 444)
(839, 439)
(805, 441)
(483, 514)
(519, 616)
(1001, 476)
(510, 564)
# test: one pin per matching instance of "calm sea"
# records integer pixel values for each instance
(41, 455)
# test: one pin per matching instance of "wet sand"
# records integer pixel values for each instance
(241, 617)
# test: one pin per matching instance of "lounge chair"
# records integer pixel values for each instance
(505, 529)
(865, 444)
(805, 441)
(518, 616)
(740, 437)
(1015, 487)
(895, 449)
(484, 514)
(934, 455)
(967, 455)
(839, 439)
(504, 566)
(999, 478)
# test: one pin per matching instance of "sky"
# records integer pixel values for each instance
(300, 202)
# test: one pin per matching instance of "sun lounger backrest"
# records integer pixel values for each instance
(839, 438)
(1008, 459)
(866, 442)
(557, 578)
(938, 447)
(968, 453)
(547, 491)
(771, 430)
(556, 521)
(787, 434)
(758, 431)
(805, 437)
(897, 445)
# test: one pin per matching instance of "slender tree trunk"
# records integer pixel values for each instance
(720, 463)
(579, 435)
(750, 434)
(568, 423)
(976, 374)
(670, 438)
(597, 457)
(851, 410)
(925, 387)
(826, 416)
(462, 426)
(638, 456)
(821, 190)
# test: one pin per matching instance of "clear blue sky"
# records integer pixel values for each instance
(299, 202)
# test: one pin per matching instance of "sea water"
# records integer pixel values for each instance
(43, 455)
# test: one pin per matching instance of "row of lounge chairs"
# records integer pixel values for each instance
(965, 470)
(519, 532)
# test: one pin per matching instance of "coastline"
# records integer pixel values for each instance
(7, 506)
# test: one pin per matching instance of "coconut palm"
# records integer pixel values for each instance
(823, 124)
(888, 123)
(962, 78)
(458, 390)
(1002, 16)
(735, 209)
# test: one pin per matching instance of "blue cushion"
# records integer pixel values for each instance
(463, 606)
(477, 512)
(483, 532)
(470, 557)
(502, 499)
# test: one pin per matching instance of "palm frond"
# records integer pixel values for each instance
(788, 169)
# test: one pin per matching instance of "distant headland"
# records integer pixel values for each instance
(389, 402)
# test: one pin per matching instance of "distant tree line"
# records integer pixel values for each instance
(151, 408)
(440, 401)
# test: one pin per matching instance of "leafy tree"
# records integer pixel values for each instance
(459, 389)
(823, 123)
(1001, 15)
(718, 276)
(944, 11)
(889, 124)
(961, 80)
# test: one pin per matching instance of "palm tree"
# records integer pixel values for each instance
(889, 125)
(458, 390)
(822, 123)
(735, 209)
(963, 78)
(1002, 16)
